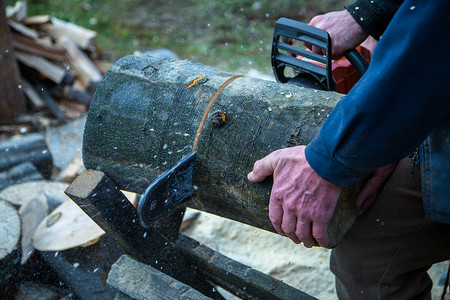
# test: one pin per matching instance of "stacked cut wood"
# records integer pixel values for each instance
(58, 64)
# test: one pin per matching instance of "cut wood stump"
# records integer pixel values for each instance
(10, 234)
(146, 113)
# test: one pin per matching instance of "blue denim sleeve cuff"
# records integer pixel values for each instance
(329, 168)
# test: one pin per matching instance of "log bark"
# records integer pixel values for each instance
(20, 173)
(9, 249)
(12, 100)
(31, 148)
(145, 115)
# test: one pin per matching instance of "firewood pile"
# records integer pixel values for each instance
(59, 66)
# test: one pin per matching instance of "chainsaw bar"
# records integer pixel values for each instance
(169, 190)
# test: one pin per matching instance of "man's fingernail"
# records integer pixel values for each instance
(250, 176)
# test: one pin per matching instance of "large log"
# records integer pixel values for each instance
(146, 113)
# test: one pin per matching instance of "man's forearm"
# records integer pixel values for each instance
(396, 104)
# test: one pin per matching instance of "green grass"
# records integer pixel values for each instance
(230, 35)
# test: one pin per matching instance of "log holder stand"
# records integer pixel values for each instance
(190, 269)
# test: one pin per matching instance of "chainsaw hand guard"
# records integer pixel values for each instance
(309, 68)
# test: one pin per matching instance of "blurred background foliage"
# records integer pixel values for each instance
(232, 35)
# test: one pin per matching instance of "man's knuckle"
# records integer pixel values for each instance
(287, 230)
(274, 218)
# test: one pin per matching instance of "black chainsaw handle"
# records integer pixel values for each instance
(309, 74)
(357, 60)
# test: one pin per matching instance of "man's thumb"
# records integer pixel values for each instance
(261, 170)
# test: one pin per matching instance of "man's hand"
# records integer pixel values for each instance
(301, 202)
(344, 31)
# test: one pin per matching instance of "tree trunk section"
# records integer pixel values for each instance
(145, 115)
(12, 100)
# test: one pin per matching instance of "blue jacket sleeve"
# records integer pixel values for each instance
(373, 15)
(396, 104)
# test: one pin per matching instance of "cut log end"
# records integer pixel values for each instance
(84, 184)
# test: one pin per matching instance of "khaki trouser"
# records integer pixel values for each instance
(391, 246)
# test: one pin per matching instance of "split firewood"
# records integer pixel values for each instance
(15, 128)
(9, 249)
(58, 28)
(72, 108)
(34, 46)
(50, 70)
(32, 95)
(81, 65)
(31, 214)
(22, 29)
(18, 12)
(37, 20)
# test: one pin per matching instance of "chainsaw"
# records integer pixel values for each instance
(310, 69)
(174, 187)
